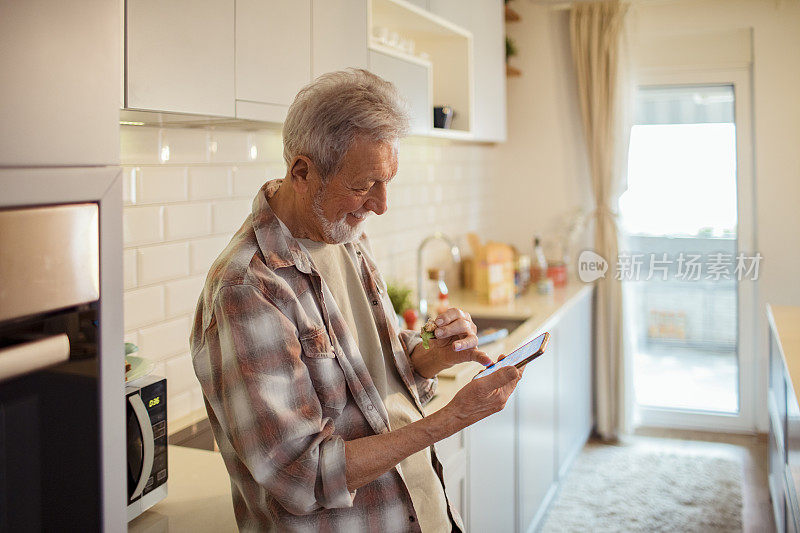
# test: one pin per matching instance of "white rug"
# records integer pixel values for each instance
(621, 488)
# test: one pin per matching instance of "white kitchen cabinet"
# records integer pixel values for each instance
(452, 453)
(60, 68)
(485, 20)
(574, 405)
(273, 56)
(492, 471)
(413, 81)
(536, 430)
(340, 35)
(180, 56)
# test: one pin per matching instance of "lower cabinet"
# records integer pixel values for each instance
(783, 454)
(517, 457)
(536, 434)
(491, 473)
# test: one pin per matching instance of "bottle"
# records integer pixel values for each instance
(539, 267)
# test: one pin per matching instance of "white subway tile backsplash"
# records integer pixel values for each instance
(229, 215)
(182, 221)
(129, 269)
(180, 373)
(184, 145)
(158, 185)
(182, 295)
(139, 145)
(213, 182)
(197, 398)
(247, 180)
(128, 178)
(178, 405)
(143, 306)
(204, 251)
(165, 339)
(163, 262)
(132, 337)
(142, 225)
(231, 146)
(159, 369)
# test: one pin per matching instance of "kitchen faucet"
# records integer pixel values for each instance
(454, 251)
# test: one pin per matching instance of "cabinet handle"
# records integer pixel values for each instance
(22, 359)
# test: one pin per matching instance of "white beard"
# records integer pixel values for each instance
(339, 231)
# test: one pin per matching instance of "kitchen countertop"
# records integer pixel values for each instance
(786, 322)
(198, 499)
(538, 311)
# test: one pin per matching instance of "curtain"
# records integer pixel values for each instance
(596, 32)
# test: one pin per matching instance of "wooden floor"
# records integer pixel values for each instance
(750, 450)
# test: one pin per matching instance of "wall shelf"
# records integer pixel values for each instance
(449, 53)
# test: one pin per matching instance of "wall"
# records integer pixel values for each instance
(776, 111)
(543, 165)
(181, 212)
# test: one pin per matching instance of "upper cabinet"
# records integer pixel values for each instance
(60, 66)
(414, 36)
(180, 56)
(485, 20)
(273, 56)
(340, 35)
(247, 59)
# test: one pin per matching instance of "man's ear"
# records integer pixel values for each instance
(302, 173)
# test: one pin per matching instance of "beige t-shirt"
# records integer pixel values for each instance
(341, 273)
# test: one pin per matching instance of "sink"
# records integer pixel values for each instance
(486, 322)
(491, 329)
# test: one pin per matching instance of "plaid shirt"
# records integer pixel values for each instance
(285, 385)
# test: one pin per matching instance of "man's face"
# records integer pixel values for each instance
(359, 189)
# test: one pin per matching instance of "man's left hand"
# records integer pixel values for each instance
(455, 342)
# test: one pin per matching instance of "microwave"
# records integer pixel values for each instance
(146, 420)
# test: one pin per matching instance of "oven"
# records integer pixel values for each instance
(50, 446)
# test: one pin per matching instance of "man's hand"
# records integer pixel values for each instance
(482, 397)
(369, 457)
(455, 342)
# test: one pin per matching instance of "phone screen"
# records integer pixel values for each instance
(517, 356)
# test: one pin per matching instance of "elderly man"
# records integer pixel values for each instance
(314, 394)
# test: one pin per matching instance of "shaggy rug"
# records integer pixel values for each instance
(620, 488)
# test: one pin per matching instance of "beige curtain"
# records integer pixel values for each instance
(596, 30)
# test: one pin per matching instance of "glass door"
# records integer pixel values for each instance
(684, 259)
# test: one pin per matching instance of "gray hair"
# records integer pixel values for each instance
(328, 114)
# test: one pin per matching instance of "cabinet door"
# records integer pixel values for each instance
(339, 35)
(485, 19)
(491, 472)
(452, 453)
(536, 427)
(60, 66)
(180, 56)
(414, 82)
(574, 406)
(273, 53)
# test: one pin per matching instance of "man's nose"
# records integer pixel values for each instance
(378, 202)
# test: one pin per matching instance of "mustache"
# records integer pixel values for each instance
(363, 214)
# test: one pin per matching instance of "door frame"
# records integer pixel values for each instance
(744, 421)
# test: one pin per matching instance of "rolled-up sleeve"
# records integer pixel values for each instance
(265, 400)
(426, 387)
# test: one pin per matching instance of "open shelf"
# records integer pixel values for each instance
(448, 50)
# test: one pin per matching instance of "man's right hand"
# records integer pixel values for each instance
(482, 397)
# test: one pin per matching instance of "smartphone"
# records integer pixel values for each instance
(519, 357)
